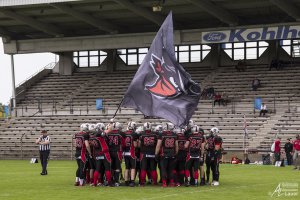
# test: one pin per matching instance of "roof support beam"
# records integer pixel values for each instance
(220, 13)
(47, 28)
(141, 11)
(288, 7)
(100, 24)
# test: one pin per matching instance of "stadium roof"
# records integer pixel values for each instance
(38, 19)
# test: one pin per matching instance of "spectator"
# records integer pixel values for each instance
(224, 98)
(210, 92)
(255, 84)
(288, 148)
(241, 66)
(296, 149)
(277, 149)
(217, 98)
(263, 109)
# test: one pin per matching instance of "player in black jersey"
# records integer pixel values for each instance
(213, 155)
(130, 139)
(195, 145)
(181, 156)
(83, 150)
(167, 149)
(101, 156)
(91, 164)
(147, 144)
(116, 143)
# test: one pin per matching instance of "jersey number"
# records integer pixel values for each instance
(114, 140)
(169, 142)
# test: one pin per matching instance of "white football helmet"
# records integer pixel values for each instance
(168, 126)
(195, 129)
(139, 129)
(147, 126)
(214, 130)
(158, 128)
(117, 126)
(100, 127)
(131, 126)
(177, 130)
(92, 128)
(84, 127)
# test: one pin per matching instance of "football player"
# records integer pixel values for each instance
(116, 143)
(181, 157)
(166, 150)
(147, 144)
(82, 150)
(213, 155)
(91, 164)
(195, 146)
(130, 138)
(101, 155)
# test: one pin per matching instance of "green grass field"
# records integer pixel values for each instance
(21, 180)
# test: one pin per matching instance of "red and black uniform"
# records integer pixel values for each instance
(92, 161)
(213, 156)
(168, 156)
(148, 141)
(181, 157)
(101, 156)
(81, 153)
(115, 144)
(193, 158)
(129, 150)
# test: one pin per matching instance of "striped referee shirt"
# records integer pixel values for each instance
(45, 147)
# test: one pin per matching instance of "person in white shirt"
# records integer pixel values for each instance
(263, 110)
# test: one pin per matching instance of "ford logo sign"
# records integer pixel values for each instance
(214, 36)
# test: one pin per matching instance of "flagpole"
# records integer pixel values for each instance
(118, 108)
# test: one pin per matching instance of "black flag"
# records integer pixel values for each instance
(161, 87)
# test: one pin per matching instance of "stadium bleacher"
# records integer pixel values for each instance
(86, 87)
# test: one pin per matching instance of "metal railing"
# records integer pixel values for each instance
(41, 105)
(48, 66)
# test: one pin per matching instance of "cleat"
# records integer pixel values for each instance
(117, 184)
(76, 184)
(187, 184)
(131, 184)
(164, 185)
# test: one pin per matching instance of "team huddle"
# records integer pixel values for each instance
(178, 153)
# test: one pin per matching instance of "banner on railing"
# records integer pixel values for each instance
(257, 103)
(251, 34)
(99, 104)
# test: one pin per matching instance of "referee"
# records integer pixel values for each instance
(44, 146)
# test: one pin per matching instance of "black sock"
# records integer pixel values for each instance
(117, 177)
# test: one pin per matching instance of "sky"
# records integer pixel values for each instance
(25, 66)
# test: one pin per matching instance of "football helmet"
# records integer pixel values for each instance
(147, 126)
(158, 128)
(177, 130)
(131, 126)
(168, 126)
(84, 127)
(195, 129)
(100, 127)
(92, 128)
(214, 130)
(139, 129)
(117, 126)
